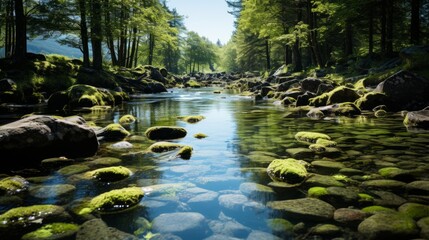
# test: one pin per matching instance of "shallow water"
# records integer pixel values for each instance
(219, 180)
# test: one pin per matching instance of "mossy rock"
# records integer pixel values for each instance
(53, 231)
(165, 132)
(319, 101)
(200, 135)
(110, 174)
(127, 120)
(13, 185)
(160, 147)
(114, 132)
(280, 225)
(185, 152)
(81, 95)
(325, 142)
(288, 170)
(21, 220)
(73, 169)
(105, 161)
(318, 148)
(414, 210)
(117, 200)
(317, 192)
(371, 100)
(377, 209)
(310, 137)
(193, 84)
(191, 119)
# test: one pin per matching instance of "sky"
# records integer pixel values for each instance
(208, 18)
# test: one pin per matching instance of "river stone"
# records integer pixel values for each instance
(388, 226)
(388, 199)
(258, 235)
(424, 226)
(418, 187)
(229, 228)
(30, 218)
(165, 132)
(121, 145)
(110, 174)
(414, 210)
(113, 132)
(34, 138)
(97, 229)
(257, 192)
(53, 231)
(54, 163)
(349, 216)
(104, 162)
(328, 230)
(73, 169)
(116, 200)
(287, 170)
(310, 137)
(13, 185)
(317, 180)
(55, 192)
(341, 196)
(384, 184)
(327, 166)
(187, 225)
(300, 153)
(310, 209)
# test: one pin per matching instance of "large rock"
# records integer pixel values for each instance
(388, 226)
(417, 119)
(287, 170)
(406, 91)
(38, 137)
(165, 132)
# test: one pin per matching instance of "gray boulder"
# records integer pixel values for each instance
(32, 139)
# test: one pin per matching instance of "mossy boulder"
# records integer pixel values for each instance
(326, 142)
(81, 95)
(113, 132)
(388, 226)
(110, 174)
(371, 100)
(317, 192)
(185, 152)
(191, 119)
(13, 185)
(160, 147)
(116, 200)
(414, 210)
(310, 137)
(288, 170)
(165, 132)
(21, 220)
(127, 120)
(53, 231)
(374, 209)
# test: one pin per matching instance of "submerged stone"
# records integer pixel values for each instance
(53, 231)
(116, 200)
(310, 137)
(13, 185)
(160, 147)
(287, 170)
(127, 120)
(388, 226)
(183, 224)
(110, 174)
(191, 119)
(165, 132)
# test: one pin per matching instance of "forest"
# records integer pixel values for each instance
(269, 33)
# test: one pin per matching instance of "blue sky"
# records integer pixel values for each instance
(209, 18)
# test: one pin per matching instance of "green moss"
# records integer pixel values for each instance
(319, 101)
(110, 174)
(280, 225)
(287, 170)
(388, 172)
(53, 231)
(73, 169)
(164, 147)
(115, 131)
(29, 213)
(310, 137)
(363, 197)
(191, 119)
(13, 185)
(165, 132)
(200, 135)
(317, 192)
(414, 210)
(82, 95)
(185, 152)
(193, 84)
(326, 142)
(127, 120)
(318, 148)
(118, 199)
(377, 209)
(341, 178)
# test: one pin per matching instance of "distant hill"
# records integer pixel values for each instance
(49, 46)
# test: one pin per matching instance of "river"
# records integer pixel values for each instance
(223, 190)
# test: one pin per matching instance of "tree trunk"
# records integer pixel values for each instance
(383, 26)
(297, 59)
(349, 39)
(84, 33)
(21, 32)
(96, 35)
(9, 27)
(133, 48)
(371, 31)
(267, 54)
(151, 48)
(415, 22)
(108, 29)
(389, 29)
